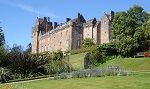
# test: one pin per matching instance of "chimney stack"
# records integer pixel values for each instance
(45, 18)
(48, 19)
(68, 19)
(55, 25)
(112, 15)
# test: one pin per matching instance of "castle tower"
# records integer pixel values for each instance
(105, 30)
(35, 35)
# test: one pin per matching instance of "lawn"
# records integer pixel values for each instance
(131, 64)
(136, 81)
(77, 60)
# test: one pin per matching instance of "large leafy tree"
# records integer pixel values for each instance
(2, 37)
(129, 30)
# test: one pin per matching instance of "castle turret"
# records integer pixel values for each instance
(105, 31)
(35, 35)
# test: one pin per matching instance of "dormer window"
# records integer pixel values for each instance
(105, 22)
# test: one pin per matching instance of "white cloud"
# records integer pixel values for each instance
(38, 11)
(41, 11)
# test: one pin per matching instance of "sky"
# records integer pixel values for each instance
(17, 17)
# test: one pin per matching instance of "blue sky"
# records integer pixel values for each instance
(18, 16)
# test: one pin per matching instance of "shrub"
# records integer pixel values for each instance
(5, 75)
(147, 54)
(83, 50)
(111, 70)
(97, 72)
(100, 55)
(64, 75)
(80, 73)
(87, 43)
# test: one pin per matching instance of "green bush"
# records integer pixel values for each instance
(24, 65)
(83, 50)
(87, 43)
(5, 75)
(100, 55)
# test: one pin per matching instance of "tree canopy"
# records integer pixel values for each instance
(129, 30)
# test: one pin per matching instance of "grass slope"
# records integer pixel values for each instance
(77, 60)
(131, 64)
(137, 81)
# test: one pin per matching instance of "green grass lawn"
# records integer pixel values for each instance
(77, 60)
(136, 81)
(131, 64)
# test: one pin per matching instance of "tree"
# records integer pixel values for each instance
(28, 49)
(87, 43)
(2, 37)
(128, 30)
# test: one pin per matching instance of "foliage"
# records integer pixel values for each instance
(3, 56)
(5, 75)
(100, 55)
(28, 49)
(128, 32)
(83, 50)
(87, 42)
(2, 37)
(26, 65)
(111, 70)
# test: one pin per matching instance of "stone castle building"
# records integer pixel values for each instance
(48, 36)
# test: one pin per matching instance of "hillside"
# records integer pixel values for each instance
(133, 64)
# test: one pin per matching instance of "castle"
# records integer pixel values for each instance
(48, 36)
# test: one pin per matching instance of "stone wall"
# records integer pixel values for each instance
(59, 39)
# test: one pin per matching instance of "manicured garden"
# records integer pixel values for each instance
(138, 77)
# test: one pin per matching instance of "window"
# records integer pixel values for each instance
(48, 39)
(90, 28)
(105, 22)
(61, 34)
(66, 32)
(60, 43)
(49, 47)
